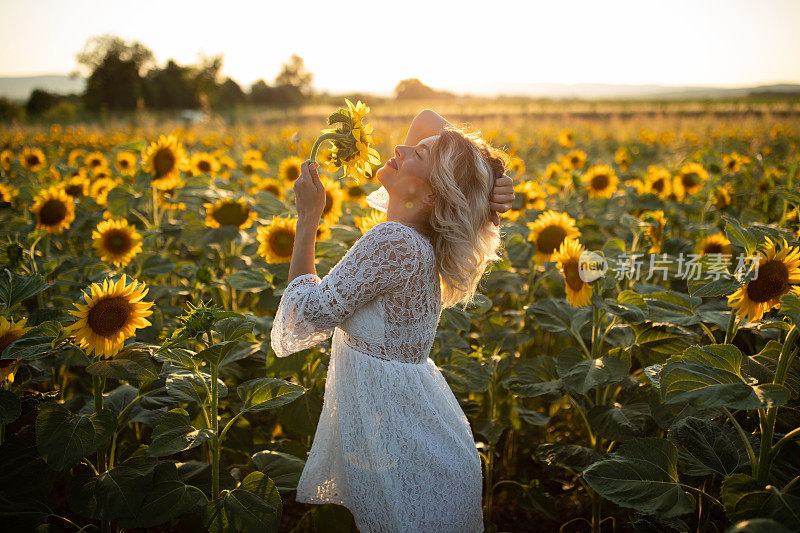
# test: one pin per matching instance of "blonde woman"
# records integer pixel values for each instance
(392, 443)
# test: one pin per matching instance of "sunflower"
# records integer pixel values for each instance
(714, 244)
(690, 179)
(229, 212)
(166, 200)
(7, 192)
(517, 165)
(77, 185)
(252, 154)
(549, 231)
(722, 196)
(100, 188)
(601, 181)
(95, 160)
(9, 332)
(354, 192)
(326, 158)
(622, 158)
(553, 172)
(361, 163)
(289, 169)
(573, 160)
(32, 159)
(334, 197)
(116, 241)
(276, 241)
(732, 163)
(204, 163)
(367, 222)
(54, 209)
(270, 185)
(658, 181)
(165, 158)
(6, 159)
(533, 195)
(655, 229)
(251, 166)
(112, 313)
(777, 274)
(566, 138)
(76, 155)
(579, 292)
(126, 163)
(323, 231)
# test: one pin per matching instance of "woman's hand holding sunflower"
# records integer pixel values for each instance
(309, 193)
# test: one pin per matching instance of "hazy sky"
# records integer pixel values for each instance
(461, 46)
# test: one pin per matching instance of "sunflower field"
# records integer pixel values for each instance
(141, 267)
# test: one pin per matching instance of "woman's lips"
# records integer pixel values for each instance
(392, 163)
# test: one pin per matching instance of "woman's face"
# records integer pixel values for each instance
(406, 175)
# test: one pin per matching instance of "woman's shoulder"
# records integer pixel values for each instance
(397, 231)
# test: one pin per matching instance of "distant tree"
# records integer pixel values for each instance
(261, 93)
(413, 89)
(229, 94)
(40, 101)
(205, 77)
(293, 83)
(10, 110)
(116, 67)
(172, 87)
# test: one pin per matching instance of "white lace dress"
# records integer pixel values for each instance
(392, 444)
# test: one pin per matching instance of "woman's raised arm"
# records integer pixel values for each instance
(426, 124)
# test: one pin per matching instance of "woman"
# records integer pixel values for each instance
(392, 443)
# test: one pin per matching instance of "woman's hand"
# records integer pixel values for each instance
(501, 198)
(309, 193)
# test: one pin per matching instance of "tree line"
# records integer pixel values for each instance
(123, 76)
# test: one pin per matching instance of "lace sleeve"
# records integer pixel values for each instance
(382, 260)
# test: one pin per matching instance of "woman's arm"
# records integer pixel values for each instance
(426, 124)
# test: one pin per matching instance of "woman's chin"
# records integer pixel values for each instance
(380, 173)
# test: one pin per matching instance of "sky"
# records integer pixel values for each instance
(464, 46)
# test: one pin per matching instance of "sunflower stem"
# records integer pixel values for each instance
(731, 330)
(319, 141)
(98, 384)
(215, 442)
(768, 421)
(750, 453)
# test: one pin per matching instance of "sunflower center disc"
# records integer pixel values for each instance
(109, 316)
(572, 275)
(204, 166)
(550, 239)
(231, 214)
(600, 182)
(53, 211)
(117, 241)
(164, 161)
(282, 243)
(772, 281)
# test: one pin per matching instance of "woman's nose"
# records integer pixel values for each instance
(397, 152)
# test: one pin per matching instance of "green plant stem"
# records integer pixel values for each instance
(319, 141)
(743, 435)
(768, 421)
(701, 493)
(228, 426)
(730, 331)
(708, 332)
(783, 440)
(98, 384)
(215, 441)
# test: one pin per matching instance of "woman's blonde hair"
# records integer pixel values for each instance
(465, 240)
